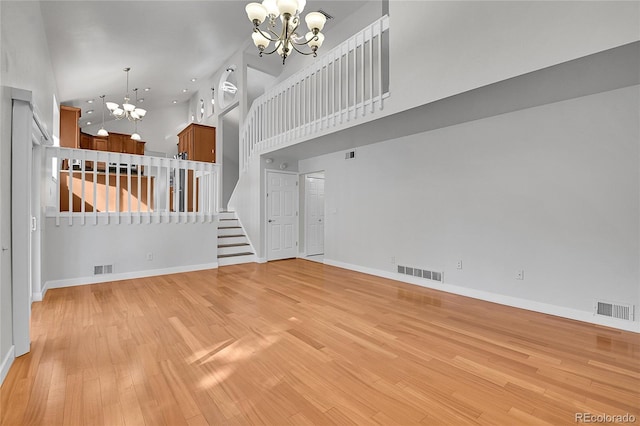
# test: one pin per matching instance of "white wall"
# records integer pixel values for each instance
(25, 63)
(553, 190)
(72, 251)
(442, 48)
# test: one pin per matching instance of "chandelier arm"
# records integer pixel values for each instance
(313, 52)
(314, 38)
(296, 23)
(256, 28)
(275, 49)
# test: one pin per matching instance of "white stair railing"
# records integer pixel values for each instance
(346, 83)
(108, 187)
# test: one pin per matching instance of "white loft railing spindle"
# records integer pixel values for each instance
(107, 186)
(345, 84)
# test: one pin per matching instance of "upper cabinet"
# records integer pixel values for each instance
(69, 127)
(199, 142)
(115, 142)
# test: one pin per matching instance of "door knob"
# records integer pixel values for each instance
(4, 249)
(270, 221)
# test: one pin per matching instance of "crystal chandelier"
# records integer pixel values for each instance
(128, 110)
(287, 39)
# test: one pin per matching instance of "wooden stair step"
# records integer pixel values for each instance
(231, 236)
(229, 227)
(233, 245)
(235, 254)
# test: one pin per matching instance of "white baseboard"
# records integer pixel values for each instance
(96, 279)
(39, 295)
(7, 361)
(530, 305)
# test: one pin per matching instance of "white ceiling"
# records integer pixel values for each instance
(166, 44)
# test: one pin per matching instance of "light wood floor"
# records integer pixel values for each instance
(298, 342)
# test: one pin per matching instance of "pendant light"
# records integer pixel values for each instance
(102, 131)
(135, 136)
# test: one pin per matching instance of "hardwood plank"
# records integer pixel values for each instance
(296, 342)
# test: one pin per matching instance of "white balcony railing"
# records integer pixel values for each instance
(346, 83)
(109, 187)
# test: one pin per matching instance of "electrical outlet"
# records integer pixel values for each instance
(149, 256)
(393, 260)
(459, 264)
(520, 274)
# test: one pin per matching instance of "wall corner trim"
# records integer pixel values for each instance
(515, 302)
(7, 362)
(39, 295)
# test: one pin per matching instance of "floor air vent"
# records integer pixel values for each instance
(420, 273)
(614, 310)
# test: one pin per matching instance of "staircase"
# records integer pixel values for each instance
(233, 244)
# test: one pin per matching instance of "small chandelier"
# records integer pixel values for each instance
(128, 110)
(288, 39)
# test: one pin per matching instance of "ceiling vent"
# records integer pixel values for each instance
(326, 15)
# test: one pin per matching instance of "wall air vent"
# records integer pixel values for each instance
(420, 273)
(102, 269)
(349, 155)
(614, 310)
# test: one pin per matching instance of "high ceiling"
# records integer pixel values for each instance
(166, 44)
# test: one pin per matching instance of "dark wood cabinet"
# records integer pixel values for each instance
(69, 127)
(86, 141)
(115, 142)
(199, 142)
(100, 143)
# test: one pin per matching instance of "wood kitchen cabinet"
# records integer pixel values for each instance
(86, 141)
(199, 142)
(100, 143)
(117, 142)
(69, 127)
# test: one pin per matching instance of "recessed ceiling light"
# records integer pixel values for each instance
(146, 89)
(90, 111)
(185, 90)
(193, 79)
(174, 101)
(90, 101)
(88, 123)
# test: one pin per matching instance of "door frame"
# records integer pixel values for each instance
(303, 217)
(21, 254)
(265, 210)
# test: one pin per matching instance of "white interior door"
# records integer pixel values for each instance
(282, 215)
(314, 215)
